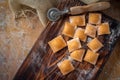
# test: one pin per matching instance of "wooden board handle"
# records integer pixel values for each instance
(91, 7)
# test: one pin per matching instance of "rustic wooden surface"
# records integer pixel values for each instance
(16, 42)
(41, 62)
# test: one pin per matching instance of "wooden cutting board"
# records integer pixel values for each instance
(40, 64)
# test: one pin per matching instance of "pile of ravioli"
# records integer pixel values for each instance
(79, 31)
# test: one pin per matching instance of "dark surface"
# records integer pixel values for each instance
(41, 62)
(114, 10)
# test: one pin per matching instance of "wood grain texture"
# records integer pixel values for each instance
(40, 64)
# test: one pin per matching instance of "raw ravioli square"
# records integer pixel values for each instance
(94, 18)
(68, 29)
(91, 30)
(103, 29)
(57, 43)
(65, 67)
(73, 44)
(77, 20)
(78, 54)
(91, 57)
(95, 45)
(80, 33)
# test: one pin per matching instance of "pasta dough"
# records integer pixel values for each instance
(78, 54)
(57, 43)
(73, 44)
(77, 20)
(94, 18)
(65, 67)
(90, 30)
(95, 45)
(80, 33)
(103, 29)
(91, 57)
(68, 29)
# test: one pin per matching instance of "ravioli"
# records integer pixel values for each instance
(103, 29)
(91, 30)
(57, 43)
(95, 45)
(65, 67)
(68, 29)
(77, 20)
(80, 33)
(80, 36)
(78, 54)
(94, 18)
(73, 44)
(91, 57)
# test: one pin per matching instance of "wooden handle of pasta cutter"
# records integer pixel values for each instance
(91, 7)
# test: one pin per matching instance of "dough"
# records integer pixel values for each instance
(65, 67)
(57, 43)
(95, 45)
(91, 30)
(68, 30)
(103, 29)
(73, 44)
(94, 18)
(91, 57)
(80, 33)
(77, 20)
(78, 54)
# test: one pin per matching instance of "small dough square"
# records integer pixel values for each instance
(65, 67)
(91, 57)
(80, 33)
(73, 44)
(78, 54)
(91, 30)
(94, 18)
(57, 43)
(77, 20)
(95, 45)
(103, 29)
(68, 29)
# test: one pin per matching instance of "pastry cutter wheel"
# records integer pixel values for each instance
(54, 14)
